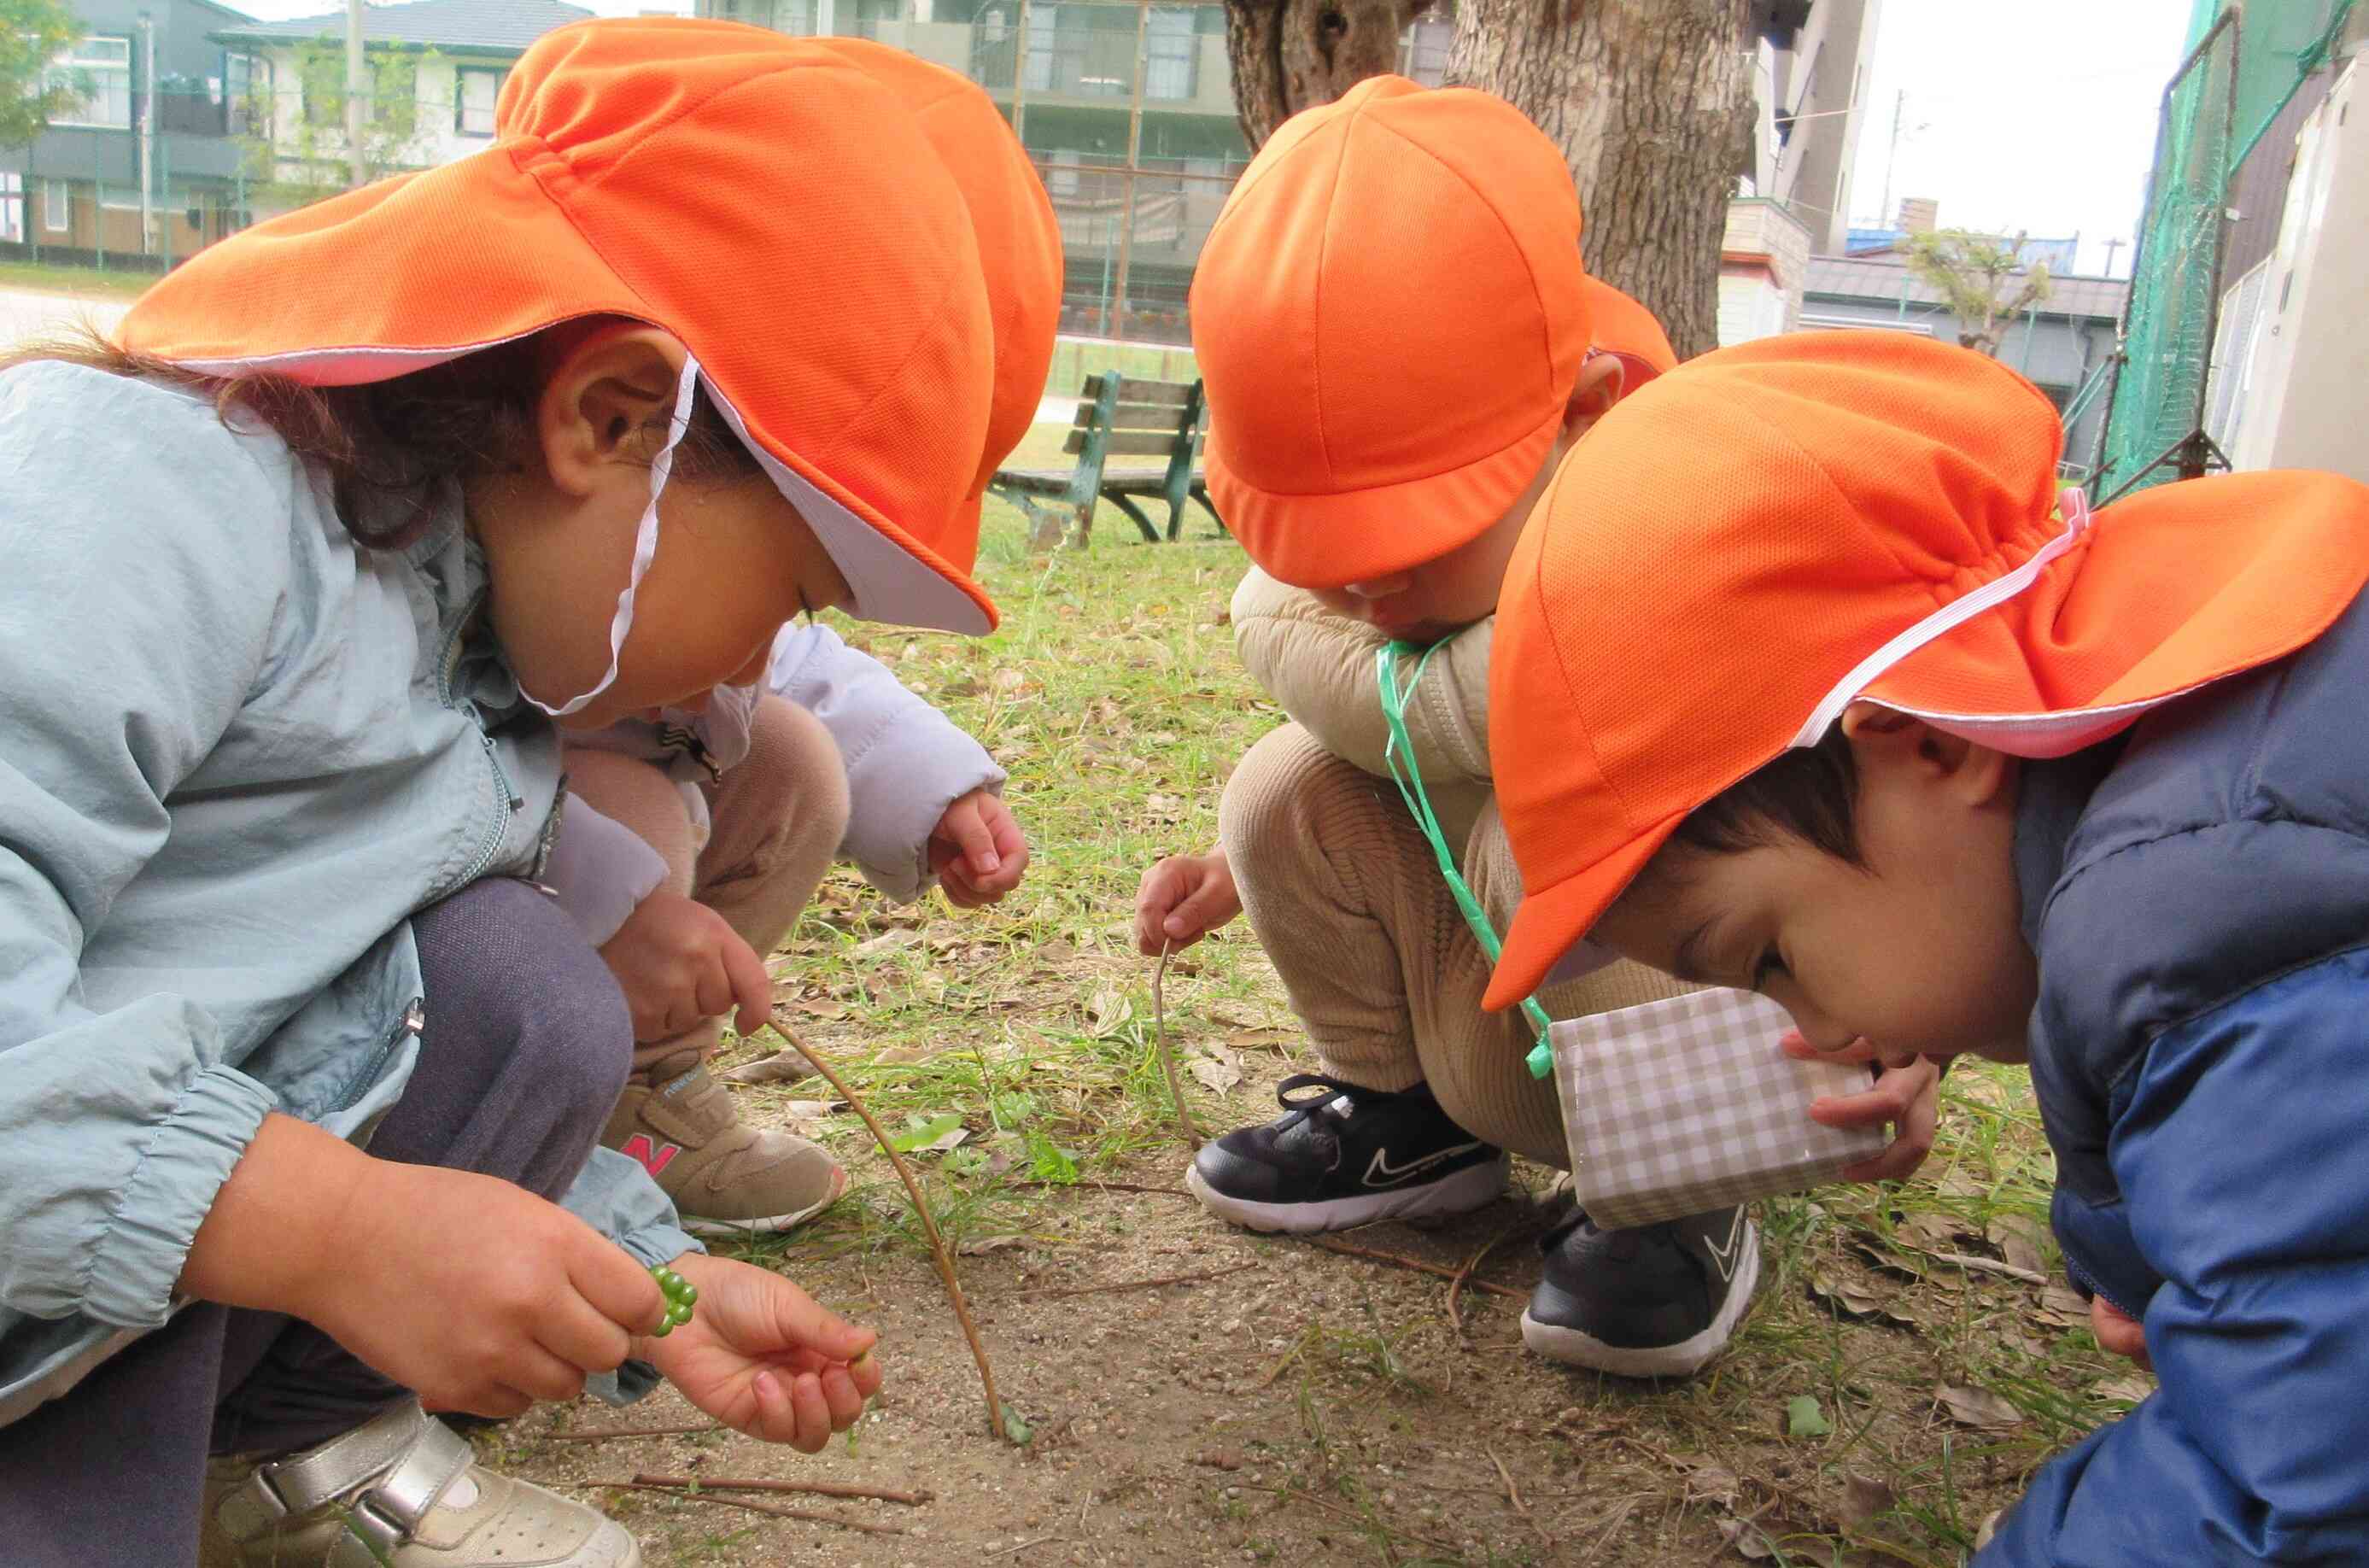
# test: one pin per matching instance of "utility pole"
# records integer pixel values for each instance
(147, 134)
(2111, 245)
(1134, 147)
(357, 76)
(1899, 103)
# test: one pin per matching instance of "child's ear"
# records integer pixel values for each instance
(1886, 743)
(606, 403)
(1601, 378)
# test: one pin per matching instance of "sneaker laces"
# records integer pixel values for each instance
(1330, 1089)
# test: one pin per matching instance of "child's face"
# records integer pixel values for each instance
(1919, 950)
(1441, 596)
(735, 560)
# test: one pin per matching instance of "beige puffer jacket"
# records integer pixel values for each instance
(1319, 667)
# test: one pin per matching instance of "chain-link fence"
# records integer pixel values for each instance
(2246, 65)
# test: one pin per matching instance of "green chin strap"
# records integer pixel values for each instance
(1398, 755)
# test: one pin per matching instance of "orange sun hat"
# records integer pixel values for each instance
(1019, 239)
(1390, 315)
(1774, 531)
(772, 206)
(1629, 332)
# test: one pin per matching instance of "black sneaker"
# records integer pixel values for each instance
(1345, 1156)
(1656, 1302)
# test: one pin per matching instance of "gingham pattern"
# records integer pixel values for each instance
(1689, 1103)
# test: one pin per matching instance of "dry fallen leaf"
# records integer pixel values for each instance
(2017, 1238)
(1979, 1408)
(886, 941)
(1216, 1076)
(784, 1066)
(1266, 1040)
(2132, 1387)
(979, 1246)
(1106, 1012)
(1750, 1542)
(2066, 1302)
(1856, 1303)
(1864, 1498)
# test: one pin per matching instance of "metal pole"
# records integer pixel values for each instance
(1020, 77)
(147, 133)
(1899, 103)
(1134, 147)
(357, 79)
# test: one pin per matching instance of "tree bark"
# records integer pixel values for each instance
(1651, 101)
(1288, 55)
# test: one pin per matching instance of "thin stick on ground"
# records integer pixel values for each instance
(809, 1515)
(1168, 1057)
(634, 1432)
(1399, 1260)
(807, 1488)
(938, 1253)
(1096, 1183)
(1133, 1283)
(1464, 1274)
(1513, 1493)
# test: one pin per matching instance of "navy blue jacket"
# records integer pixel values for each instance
(2198, 894)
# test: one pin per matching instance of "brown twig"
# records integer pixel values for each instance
(1135, 1284)
(1987, 1266)
(809, 1515)
(812, 1488)
(1456, 1286)
(630, 1432)
(1167, 1057)
(1402, 1260)
(1513, 1493)
(944, 1260)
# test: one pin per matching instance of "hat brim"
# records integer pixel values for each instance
(1332, 539)
(1550, 923)
(254, 301)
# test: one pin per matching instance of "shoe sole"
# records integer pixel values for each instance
(1473, 1187)
(1574, 1347)
(699, 1225)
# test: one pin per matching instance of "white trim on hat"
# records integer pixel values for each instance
(889, 584)
(1940, 622)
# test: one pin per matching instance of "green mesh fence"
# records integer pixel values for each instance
(2245, 67)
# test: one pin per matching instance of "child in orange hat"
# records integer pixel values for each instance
(304, 1071)
(1399, 341)
(699, 834)
(1937, 760)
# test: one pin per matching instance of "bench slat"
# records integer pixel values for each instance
(1127, 443)
(1133, 416)
(1170, 394)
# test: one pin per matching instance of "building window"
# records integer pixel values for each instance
(246, 90)
(476, 91)
(12, 206)
(57, 207)
(99, 71)
(1429, 42)
(1171, 50)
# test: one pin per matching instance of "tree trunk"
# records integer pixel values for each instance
(1288, 55)
(1651, 101)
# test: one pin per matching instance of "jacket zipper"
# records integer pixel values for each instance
(505, 800)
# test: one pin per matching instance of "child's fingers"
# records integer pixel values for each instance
(751, 986)
(970, 835)
(841, 1395)
(616, 1287)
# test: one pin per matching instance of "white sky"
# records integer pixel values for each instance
(2032, 114)
(2021, 114)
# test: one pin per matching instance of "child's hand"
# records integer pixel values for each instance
(1906, 1097)
(978, 849)
(2118, 1332)
(1183, 899)
(680, 962)
(475, 1292)
(762, 1357)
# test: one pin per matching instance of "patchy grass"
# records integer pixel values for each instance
(1367, 1427)
(1075, 358)
(45, 278)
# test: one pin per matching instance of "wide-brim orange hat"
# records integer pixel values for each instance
(1629, 332)
(769, 204)
(1390, 315)
(1774, 531)
(1019, 238)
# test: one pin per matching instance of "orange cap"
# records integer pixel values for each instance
(1390, 316)
(772, 207)
(1771, 531)
(1627, 331)
(1019, 240)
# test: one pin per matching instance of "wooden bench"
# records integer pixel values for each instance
(1119, 416)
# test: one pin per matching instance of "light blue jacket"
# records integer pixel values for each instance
(236, 752)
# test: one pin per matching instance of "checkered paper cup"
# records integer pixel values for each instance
(1690, 1104)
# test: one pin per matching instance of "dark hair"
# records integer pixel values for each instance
(394, 441)
(1810, 795)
